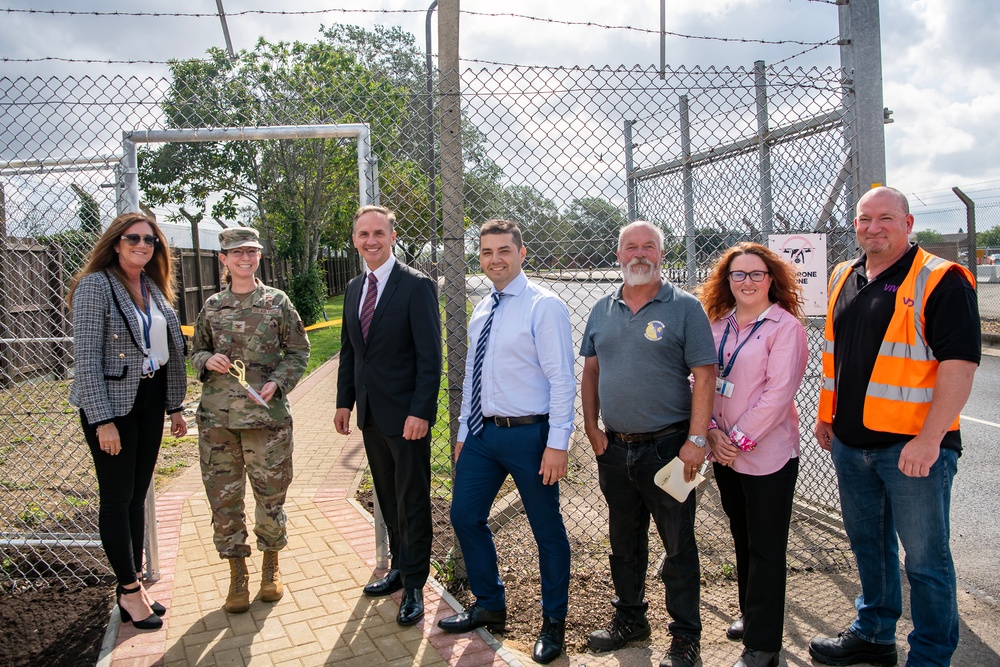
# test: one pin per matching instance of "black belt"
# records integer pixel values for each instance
(507, 422)
(679, 427)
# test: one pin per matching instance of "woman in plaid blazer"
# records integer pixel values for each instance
(129, 369)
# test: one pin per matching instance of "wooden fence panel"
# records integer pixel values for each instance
(34, 318)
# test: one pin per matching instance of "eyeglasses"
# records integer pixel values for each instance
(133, 239)
(249, 253)
(740, 276)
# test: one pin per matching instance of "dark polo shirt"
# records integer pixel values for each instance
(861, 317)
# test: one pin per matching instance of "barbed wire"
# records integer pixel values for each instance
(651, 31)
(947, 193)
(247, 12)
(828, 42)
(540, 19)
(94, 61)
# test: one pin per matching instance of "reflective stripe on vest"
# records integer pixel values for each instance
(901, 387)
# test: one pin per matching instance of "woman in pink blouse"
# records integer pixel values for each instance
(752, 300)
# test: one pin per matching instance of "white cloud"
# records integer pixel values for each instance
(940, 57)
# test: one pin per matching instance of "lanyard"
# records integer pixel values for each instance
(722, 346)
(147, 317)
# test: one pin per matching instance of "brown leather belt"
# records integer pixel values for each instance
(679, 427)
(507, 422)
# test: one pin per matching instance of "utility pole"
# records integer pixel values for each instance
(861, 60)
(452, 204)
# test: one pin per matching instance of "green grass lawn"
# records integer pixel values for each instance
(325, 342)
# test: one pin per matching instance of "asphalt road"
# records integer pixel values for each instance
(975, 500)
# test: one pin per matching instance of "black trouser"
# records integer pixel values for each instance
(123, 479)
(759, 510)
(401, 474)
(626, 472)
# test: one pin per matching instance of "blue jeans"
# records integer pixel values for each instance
(626, 475)
(879, 502)
(482, 467)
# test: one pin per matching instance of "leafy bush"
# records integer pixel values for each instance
(308, 291)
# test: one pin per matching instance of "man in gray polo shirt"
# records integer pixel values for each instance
(641, 344)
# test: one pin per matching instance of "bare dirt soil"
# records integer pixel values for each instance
(56, 627)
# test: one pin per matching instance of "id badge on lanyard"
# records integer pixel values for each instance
(723, 386)
(150, 364)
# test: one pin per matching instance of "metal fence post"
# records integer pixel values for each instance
(688, 184)
(633, 212)
(764, 149)
(970, 230)
(152, 540)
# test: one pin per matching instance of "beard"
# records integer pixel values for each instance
(639, 272)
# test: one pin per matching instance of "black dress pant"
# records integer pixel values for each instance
(123, 479)
(759, 510)
(401, 474)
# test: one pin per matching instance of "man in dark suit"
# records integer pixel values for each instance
(390, 366)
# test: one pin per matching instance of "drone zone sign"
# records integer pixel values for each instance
(807, 255)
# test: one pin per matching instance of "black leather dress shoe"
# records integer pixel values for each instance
(411, 609)
(735, 631)
(849, 649)
(475, 617)
(752, 658)
(551, 639)
(387, 585)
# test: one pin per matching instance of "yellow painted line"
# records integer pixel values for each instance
(189, 330)
(323, 325)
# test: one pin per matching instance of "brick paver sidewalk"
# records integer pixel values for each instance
(323, 617)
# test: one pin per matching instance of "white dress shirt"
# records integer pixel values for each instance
(528, 368)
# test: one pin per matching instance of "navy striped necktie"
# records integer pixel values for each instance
(476, 413)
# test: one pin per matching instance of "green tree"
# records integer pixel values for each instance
(989, 238)
(546, 234)
(928, 236)
(595, 223)
(304, 191)
(90, 212)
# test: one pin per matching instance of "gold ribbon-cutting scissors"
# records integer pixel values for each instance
(239, 371)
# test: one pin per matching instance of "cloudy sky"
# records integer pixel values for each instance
(940, 57)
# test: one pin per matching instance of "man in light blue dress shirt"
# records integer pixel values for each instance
(519, 423)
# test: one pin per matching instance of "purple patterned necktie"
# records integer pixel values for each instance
(368, 308)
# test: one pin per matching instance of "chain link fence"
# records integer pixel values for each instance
(951, 241)
(711, 156)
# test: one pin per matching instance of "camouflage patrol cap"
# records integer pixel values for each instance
(239, 237)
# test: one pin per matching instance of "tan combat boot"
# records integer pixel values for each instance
(271, 589)
(238, 600)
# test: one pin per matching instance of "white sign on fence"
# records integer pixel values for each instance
(807, 254)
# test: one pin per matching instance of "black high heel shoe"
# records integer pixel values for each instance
(152, 622)
(157, 608)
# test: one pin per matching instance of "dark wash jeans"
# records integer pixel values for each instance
(881, 504)
(626, 473)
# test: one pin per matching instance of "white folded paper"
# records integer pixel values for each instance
(670, 478)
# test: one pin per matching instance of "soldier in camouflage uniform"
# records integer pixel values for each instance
(239, 437)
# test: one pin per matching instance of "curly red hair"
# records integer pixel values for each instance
(716, 295)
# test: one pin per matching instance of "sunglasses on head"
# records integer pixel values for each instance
(133, 239)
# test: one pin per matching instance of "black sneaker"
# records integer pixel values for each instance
(849, 649)
(684, 652)
(617, 634)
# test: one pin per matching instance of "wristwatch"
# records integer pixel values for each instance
(698, 440)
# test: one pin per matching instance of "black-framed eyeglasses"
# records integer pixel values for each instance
(133, 239)
(740, 276)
